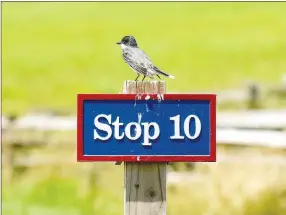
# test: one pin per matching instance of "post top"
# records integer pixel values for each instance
(145, 81)
(142, 87)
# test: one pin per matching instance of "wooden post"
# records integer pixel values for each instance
(144, 183)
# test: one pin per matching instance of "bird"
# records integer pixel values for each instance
(138, 60)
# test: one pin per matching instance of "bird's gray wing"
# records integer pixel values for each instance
(146, 56)
(135, 61)
(146, 61)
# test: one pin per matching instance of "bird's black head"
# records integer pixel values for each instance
(128, 41)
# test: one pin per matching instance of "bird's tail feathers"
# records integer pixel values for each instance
(163, 73)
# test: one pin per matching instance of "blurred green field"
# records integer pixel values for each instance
(52, 51)
(70, 188)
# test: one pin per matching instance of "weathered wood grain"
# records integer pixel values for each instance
(145, 188)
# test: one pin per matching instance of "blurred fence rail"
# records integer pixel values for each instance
(251, 127)
(253, 119)
(244, 137)
(248, 128)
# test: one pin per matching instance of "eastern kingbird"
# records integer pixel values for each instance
(138, 60)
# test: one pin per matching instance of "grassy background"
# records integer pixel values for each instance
(52, 51)
(64, 186)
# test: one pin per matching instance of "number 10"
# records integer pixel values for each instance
(177, 134)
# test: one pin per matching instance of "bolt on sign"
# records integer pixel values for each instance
(150, 128)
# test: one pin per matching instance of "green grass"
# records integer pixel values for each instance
(52, 51)
(226, 188)
(57, 195)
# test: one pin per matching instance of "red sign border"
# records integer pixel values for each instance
(139, 158)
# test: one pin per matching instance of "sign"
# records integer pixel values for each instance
(155, 128)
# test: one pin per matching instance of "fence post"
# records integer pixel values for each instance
(144, 182)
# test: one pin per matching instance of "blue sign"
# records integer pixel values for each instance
(155, 128)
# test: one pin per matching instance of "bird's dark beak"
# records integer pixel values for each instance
(118, 43)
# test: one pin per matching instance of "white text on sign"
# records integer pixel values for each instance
(143, 128)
